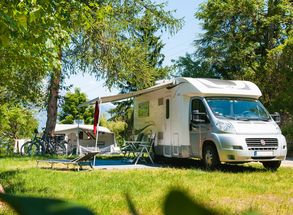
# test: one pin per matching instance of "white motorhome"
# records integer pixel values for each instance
(210, 119)
(213, 120)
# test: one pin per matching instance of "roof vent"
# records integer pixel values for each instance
(158, 82)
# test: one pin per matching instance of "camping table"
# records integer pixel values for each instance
(130, 147)
(133, 146)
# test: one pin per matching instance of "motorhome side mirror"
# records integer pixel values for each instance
(276, 117)
(198, 117)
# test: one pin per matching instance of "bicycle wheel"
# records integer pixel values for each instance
(34, 149)
(25, 148)
(42, 146)
(30, 148)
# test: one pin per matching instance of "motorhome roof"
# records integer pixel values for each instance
(194, 87)
(217, 87)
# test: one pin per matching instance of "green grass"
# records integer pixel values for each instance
(230, 191)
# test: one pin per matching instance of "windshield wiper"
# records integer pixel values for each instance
(242, 119)
(264, 119)
(259, 119)
(228, 117)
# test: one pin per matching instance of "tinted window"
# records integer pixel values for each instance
(167, 109)
(198, 105)
(238, 108)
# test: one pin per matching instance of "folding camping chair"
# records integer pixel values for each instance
(144, 148)
(83, 160)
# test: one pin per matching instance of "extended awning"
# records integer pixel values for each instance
(118, 97)
(69, 127)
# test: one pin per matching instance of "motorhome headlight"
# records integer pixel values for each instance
(225, 126)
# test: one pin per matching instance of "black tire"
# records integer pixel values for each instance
(210, 157)
(35, 149)
(271, 165)
(155, 156)
(25, 148)
(30, 149)
(42, 147)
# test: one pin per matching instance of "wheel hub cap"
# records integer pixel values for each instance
(209, 158)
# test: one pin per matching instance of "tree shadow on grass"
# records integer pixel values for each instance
(10, 185)
(185, 163)
(13, 182)
(28, 205)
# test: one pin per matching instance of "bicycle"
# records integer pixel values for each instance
(55, 145)
(44, 145)
(33, 147)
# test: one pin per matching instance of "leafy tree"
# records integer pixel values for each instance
(55, 38)
(191, 66)
(147, 34)
(123, 112)
(279, 80)
(31, 36)
(70, 111)
(16, 122)
(114, 49)
(19, 62)
(148, 38)
(117, 126)
(29, 32)
(278, 70)
(242, 40)
(108, 47)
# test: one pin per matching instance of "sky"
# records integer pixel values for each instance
(175, 46)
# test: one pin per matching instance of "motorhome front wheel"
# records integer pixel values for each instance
(271, 165)
(210, 157)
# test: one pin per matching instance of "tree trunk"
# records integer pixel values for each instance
(272, 5)
(52, 106)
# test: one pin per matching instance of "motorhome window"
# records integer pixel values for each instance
(167, 109)
(143, 109)
(198, 105)
(238, 109)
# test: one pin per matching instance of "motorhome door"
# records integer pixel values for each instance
(198, 125)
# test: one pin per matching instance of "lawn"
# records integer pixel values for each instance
(229, 191)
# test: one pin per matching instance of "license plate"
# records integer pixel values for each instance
(261, 153)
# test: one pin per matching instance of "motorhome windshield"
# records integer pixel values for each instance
(238, 109)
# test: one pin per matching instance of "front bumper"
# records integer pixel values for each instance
(233, 148)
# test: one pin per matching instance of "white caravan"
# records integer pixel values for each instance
(210, 119)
